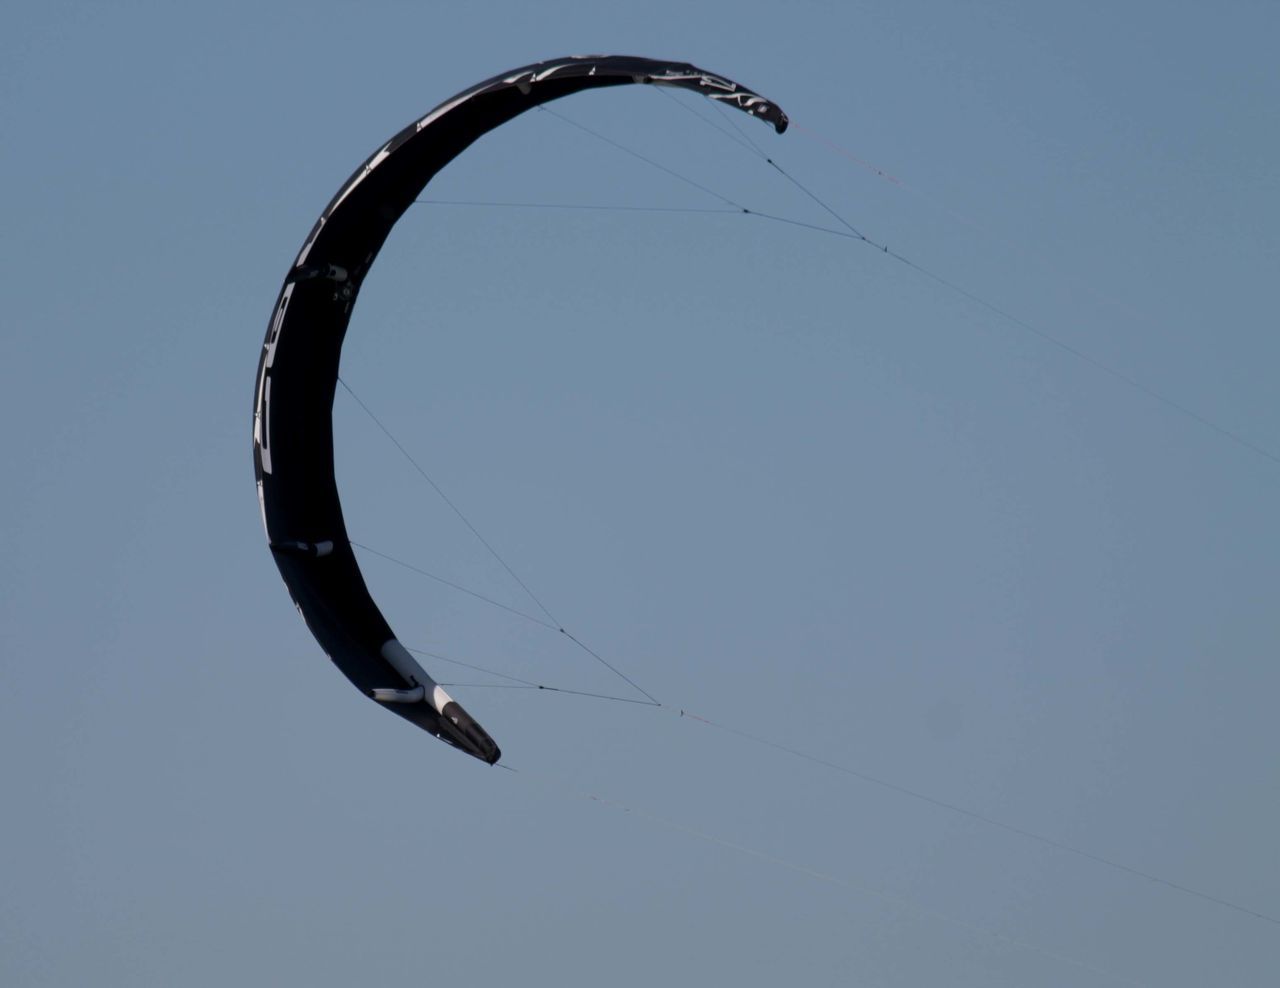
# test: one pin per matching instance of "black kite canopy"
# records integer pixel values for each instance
(298, 372)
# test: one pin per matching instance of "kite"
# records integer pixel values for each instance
(298, 371)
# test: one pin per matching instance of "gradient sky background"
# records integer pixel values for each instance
(783, 481)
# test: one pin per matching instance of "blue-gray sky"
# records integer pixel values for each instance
(783, 481)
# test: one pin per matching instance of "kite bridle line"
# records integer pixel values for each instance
(845, 230)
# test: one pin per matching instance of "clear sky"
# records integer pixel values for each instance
(782, 480)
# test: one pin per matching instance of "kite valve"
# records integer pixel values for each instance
(329, 272)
